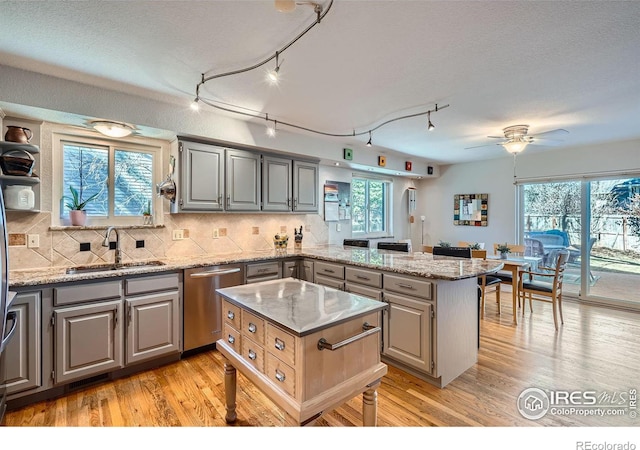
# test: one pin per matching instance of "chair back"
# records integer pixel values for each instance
(397, 246)
(562, 256)
(515, 248)
(482, 254)
(356, 242)
(458, 252)
(427, 248)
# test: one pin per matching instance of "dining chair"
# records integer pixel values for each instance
(516, 250)
(427, 248)
(485, 282)
(549, 291)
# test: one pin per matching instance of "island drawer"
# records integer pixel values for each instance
(368, 292)
(283, 376)
(232, 337)
(231, 314)
(281, 344)
(253, 326)
(253, 353)
(327, 281)
(362, 276)
(329, 270)
(89, 292)
(408, 285)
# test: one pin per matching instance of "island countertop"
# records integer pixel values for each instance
(299, 306)
(414, 264)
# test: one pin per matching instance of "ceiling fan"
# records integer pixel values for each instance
(516, 138)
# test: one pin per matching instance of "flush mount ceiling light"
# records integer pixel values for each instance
(273, 76)
(112, 129)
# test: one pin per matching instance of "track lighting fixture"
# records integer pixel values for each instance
(194, 104)
(271, 128)
(273, 76)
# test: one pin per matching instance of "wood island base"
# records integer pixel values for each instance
(306, 413)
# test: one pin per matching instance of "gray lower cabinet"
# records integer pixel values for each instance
(407, 331)
(243, 186)
(365, 282)
(153, 323)
(328, 274)
(305, 186)
(201, 177)
(262, 271)
(305, 270)
(88, 340)
(24, 351)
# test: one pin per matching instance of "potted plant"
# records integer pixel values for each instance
(76, 205)
(475, 246)
(146, 214)
(504, 250)
(444, 244)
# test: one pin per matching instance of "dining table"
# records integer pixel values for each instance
(515, 264)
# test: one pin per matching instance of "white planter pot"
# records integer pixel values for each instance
(78, 218)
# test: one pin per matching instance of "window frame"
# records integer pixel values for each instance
(153, 147)
(387, 206)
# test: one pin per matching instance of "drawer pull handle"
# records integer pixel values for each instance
(406, 286)
(366, 331)
(252, 327)
(231, 339)
(252, 355)
(279, 344)
(362, 277)
(263, 270)
(329, 270)
(280, 376)
(231, 315)
(214, 273)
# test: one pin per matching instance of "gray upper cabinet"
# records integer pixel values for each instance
(202, 177)
(243, 177)
(277, 186)
(305, 186)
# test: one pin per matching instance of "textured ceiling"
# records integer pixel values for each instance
(548, 64)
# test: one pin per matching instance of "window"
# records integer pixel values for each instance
(119, 177)
(370, 203)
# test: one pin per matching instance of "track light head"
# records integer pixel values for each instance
(430, 127)
(369, 141)
(271, 129)
(273, 76)
(195, 106)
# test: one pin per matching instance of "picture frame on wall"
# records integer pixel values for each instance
(471, 210)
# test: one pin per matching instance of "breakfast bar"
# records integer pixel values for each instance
(309, 348)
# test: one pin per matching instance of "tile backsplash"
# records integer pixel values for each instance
(236, 233)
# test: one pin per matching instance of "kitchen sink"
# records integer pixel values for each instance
(109, 267)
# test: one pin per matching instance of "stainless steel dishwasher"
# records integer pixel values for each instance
(203, 306)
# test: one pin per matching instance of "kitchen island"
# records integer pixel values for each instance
(309, 348)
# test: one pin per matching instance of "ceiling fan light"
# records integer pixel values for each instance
(112, 129)
(285, 5)
(515, 146)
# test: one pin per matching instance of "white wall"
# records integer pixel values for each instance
(496, 177)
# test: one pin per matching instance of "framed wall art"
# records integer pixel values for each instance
(471, 209)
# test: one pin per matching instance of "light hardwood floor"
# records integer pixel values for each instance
(596, 349)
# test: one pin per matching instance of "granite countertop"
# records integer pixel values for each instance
(416, 264)
(299, 306)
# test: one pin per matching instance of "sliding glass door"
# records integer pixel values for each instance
(598, 221)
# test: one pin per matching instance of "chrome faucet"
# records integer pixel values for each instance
(105, 243)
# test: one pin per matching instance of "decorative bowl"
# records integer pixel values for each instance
(17, 162)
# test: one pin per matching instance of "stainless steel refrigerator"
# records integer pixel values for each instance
(7, 319)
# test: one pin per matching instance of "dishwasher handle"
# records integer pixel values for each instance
(214, 273)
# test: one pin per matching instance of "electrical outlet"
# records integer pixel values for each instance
(338, 227)
(216, 233)
(178, 235)
(33, 240)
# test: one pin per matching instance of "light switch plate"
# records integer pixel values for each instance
(216, 233)
(178, 235)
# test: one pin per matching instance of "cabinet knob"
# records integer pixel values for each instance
(252, 328)
(280, 376)
(231, 315)
(279, 344)
(231, 339)
(252, 355)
